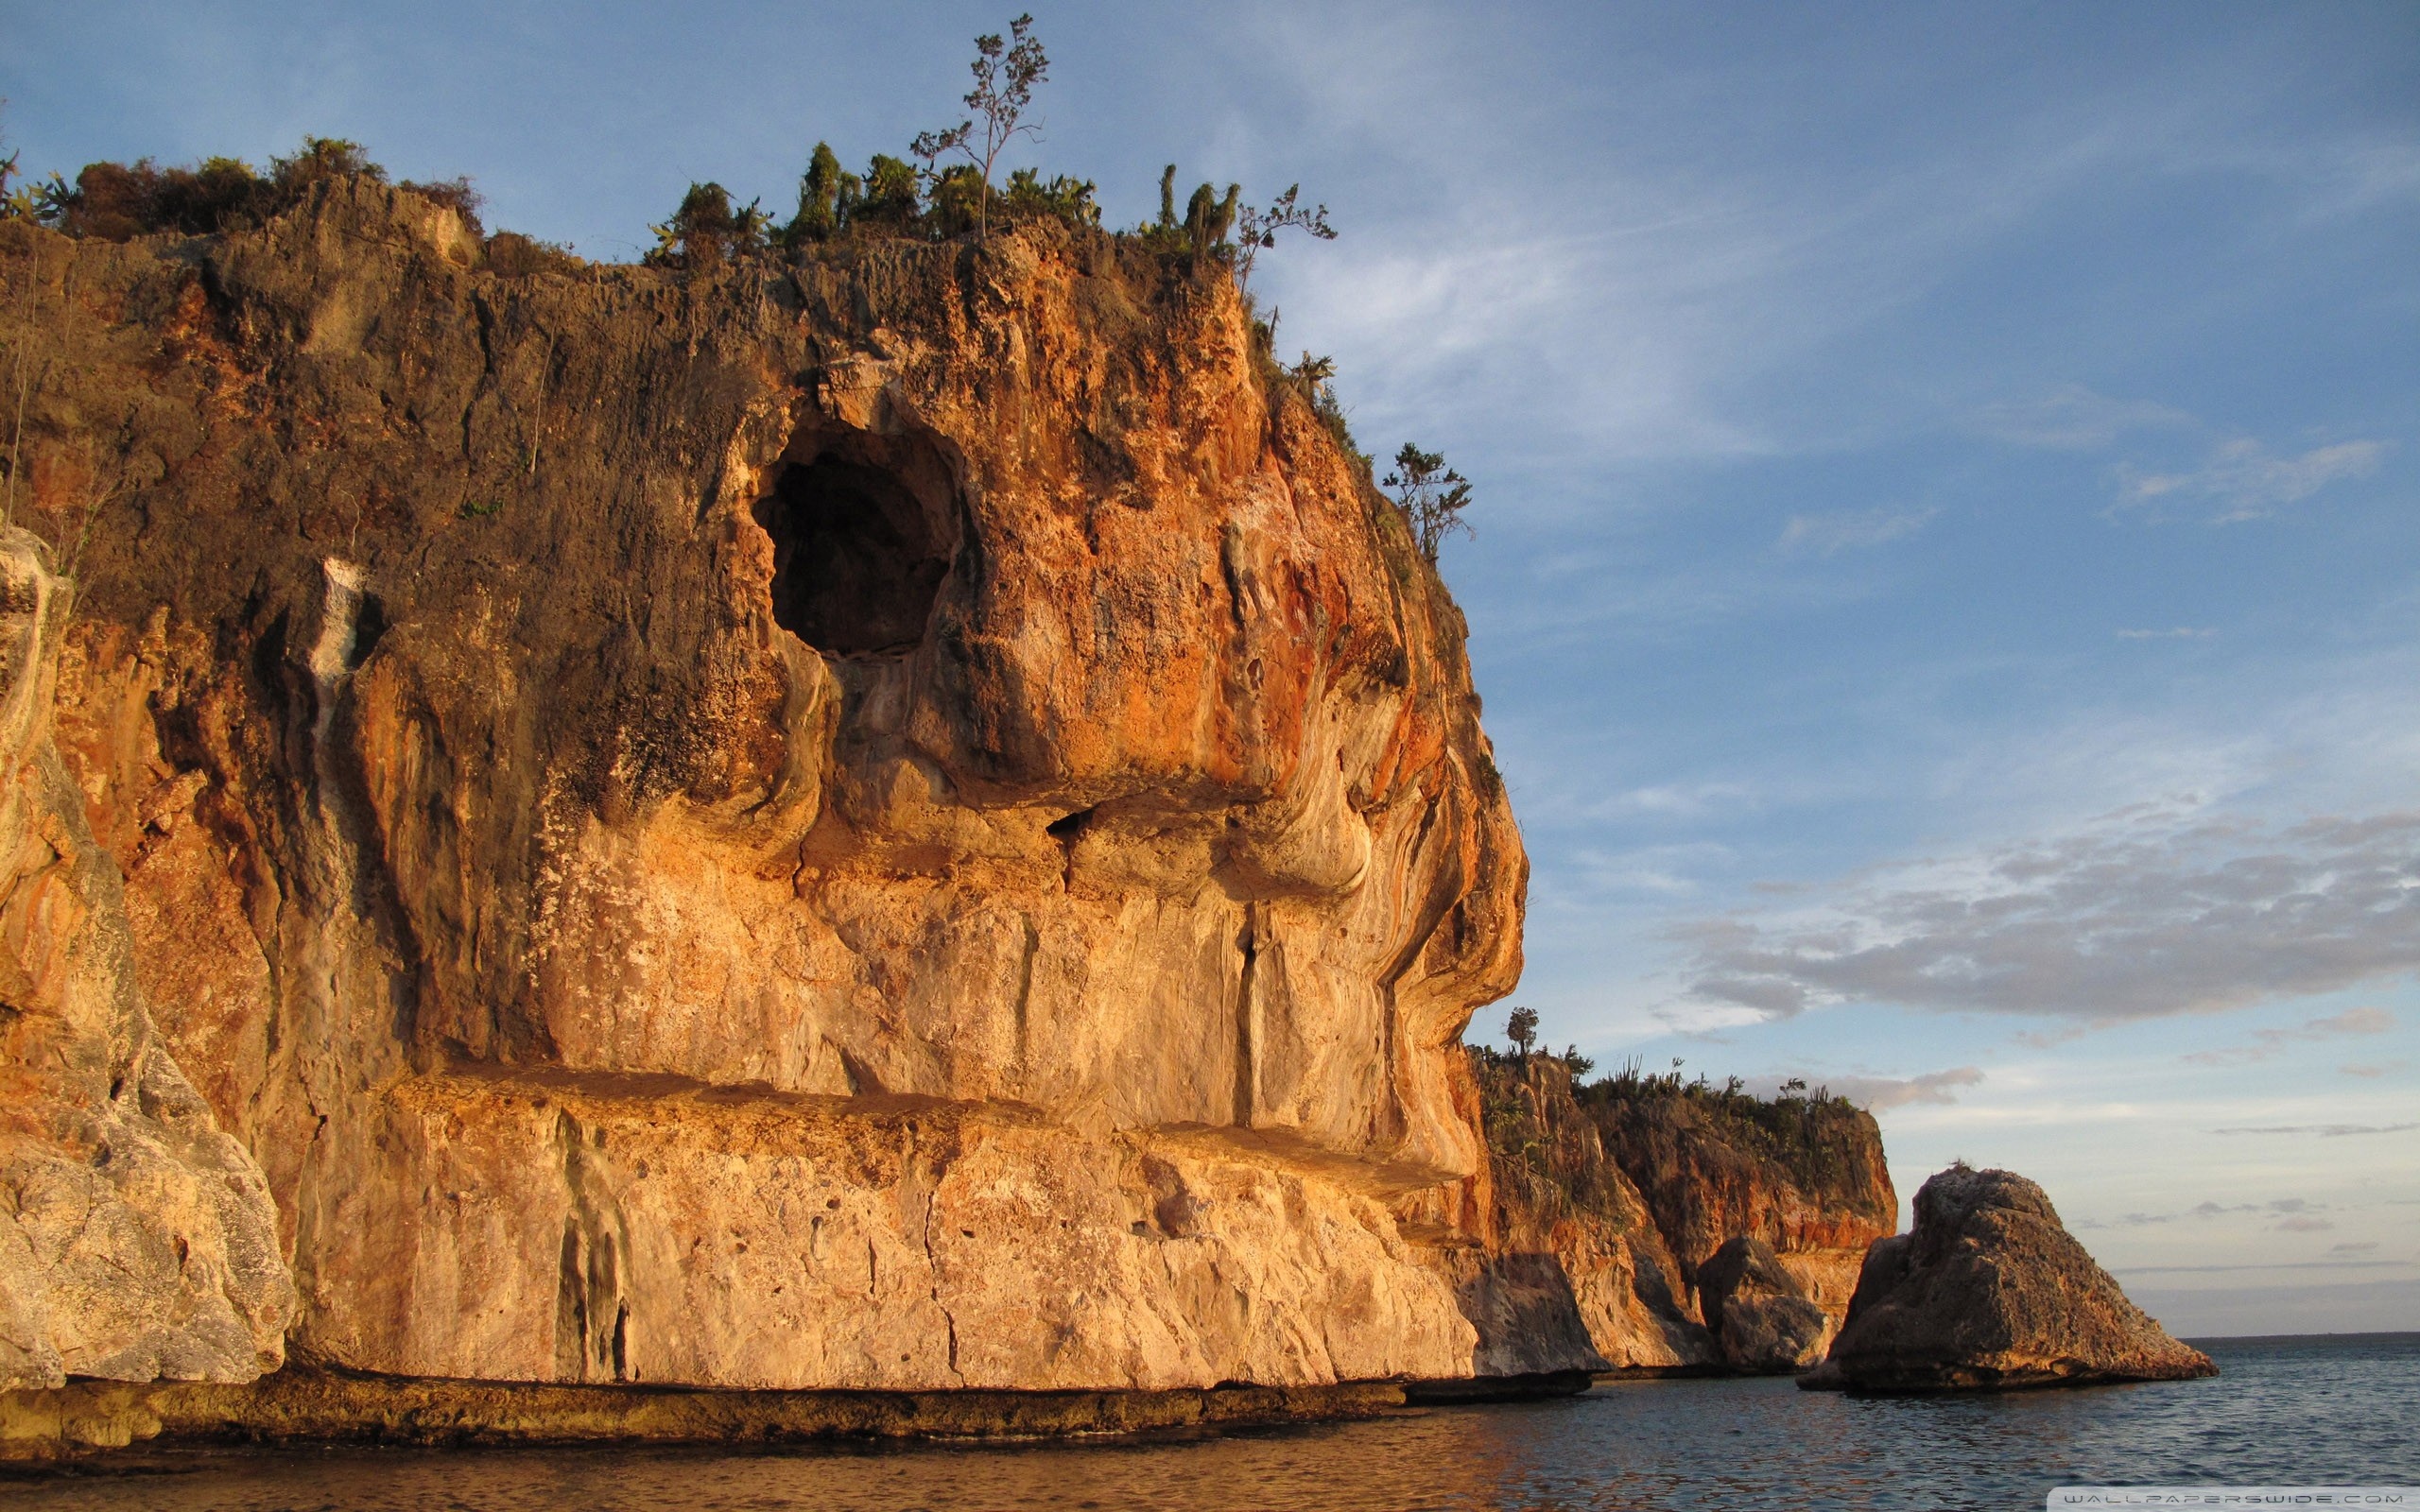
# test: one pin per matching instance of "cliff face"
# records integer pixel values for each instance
(1806, 1177)
(139, 1239)
(1555, 1255)
(900, 822)
(1630, 1216)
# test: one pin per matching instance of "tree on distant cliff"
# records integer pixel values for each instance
(1005, 73)
(1433, 496)
(1521, 1027)
(824, 195)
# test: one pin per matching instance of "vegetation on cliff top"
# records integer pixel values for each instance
(927, 200)
(1812, 1134)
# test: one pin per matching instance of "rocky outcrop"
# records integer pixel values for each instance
(1990, 1291)
(1758, 1312)
(1553, 1252)
(137, 1241)
(1568, 1239)
(1804, 1174)
(904, 820)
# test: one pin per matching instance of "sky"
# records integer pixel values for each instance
(1945, 577)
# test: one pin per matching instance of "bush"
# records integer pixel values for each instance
(1027, 197)
(707, 231)
(116, 201)
(454, 194)
(513, 255)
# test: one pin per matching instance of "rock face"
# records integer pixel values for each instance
(136, 1239)
(1989, 1290)
(1758, 1312)
(1645, 1218)
(1806, 1174)
(1555, 1252)
(904, 821)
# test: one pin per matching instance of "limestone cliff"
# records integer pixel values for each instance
(136, 1239)
(1672, 1227)
(1803, 1175)
(905, 819)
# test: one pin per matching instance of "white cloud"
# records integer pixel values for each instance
(1689, 800)
(1825, 534)
(2182, 632)
(2148, 913)
(2242, 481)
(2074, 418)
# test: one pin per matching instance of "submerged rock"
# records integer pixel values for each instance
(1990, 1291)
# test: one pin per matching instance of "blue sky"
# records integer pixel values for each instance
(1948, 575)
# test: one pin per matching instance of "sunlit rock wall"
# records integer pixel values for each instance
(903, 821)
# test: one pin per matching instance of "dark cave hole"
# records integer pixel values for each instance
(1068, 826)
(858, 557)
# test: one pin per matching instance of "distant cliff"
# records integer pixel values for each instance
(1607, 1203)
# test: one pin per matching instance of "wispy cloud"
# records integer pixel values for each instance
(2270, 1043)
(1827, 533)
(2182, 632)
(2149, 914)
(2242, 481)
(2303, 1223)
(2285, 1207)
(2372, 1069)
(2325, 1131)
(1878, 1093)
(1675, 800)
(2074, 418)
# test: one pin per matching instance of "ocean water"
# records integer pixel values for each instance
(2342, 1409)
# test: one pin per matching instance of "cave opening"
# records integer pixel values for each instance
(863, 529)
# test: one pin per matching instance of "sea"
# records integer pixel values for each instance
(2337, 1409)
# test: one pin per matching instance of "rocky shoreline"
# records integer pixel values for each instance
(886, 841)
(81, 1422)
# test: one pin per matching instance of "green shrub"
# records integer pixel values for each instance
(1027, 197)
(820, 201)
(707, 230)
(114, 201)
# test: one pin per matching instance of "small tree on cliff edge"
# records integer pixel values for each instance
(1005, 73)
(1522, 1029)
(1433, 496)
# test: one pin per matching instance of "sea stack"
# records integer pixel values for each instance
(1988, 1291)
